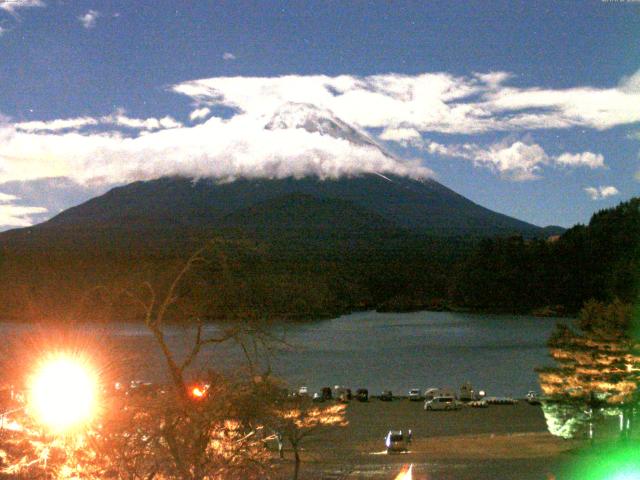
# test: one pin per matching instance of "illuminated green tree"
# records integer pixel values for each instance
(597, 372)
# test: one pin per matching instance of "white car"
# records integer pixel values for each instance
(303, 392)
(532, 398)
(415, 395)
(442, 403)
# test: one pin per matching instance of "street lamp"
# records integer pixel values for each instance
(63, 393)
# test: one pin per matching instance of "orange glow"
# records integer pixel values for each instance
(405, 473)
(199, 391)
(63, 393)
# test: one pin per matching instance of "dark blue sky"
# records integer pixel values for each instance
(53, 67)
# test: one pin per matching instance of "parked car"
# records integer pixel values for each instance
(396, 441)
(442, 403)
(362, 395)
(532, 398)
(303, 392)
(415, 395)
(343, 394)
(432, 393)
(317, 397)
(386, 395)
(478, 403)
(326, 393)
(467, 393)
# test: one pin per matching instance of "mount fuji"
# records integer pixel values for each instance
(420, 205)
(346, 242)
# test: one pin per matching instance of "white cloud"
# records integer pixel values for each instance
(228, 56)
(12, 215)
(447, 150)
(56, 125)
(89, 19)
(394, 101)
(631, 83)
(430, 102)
(587, 159)
(3, 30)
(404, 107)
(57, 194)
(493, 79)
(586, 107)
(17, 215)
(598, 193)
(199, 114)
(518, 160)
(7, 197)
(12, 6)
(119, 119)
(224, 149)
(404, 136)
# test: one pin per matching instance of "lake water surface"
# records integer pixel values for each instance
(397, 351)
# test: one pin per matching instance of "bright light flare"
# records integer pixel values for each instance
(63, 393)
(405, 473)
(199, 391)
(196, 392)
(618, 462)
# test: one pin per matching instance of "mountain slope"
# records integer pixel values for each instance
(297, 215)
(423, 206)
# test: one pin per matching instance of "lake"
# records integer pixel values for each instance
(396, 351)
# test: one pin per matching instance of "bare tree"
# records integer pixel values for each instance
(163, 431)
(208, 436)
(297, 419)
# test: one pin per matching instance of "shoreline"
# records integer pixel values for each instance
(536, 313)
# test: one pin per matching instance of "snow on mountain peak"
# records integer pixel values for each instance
(317, 120)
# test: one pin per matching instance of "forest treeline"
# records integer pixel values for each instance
(596, 261)
(292, 274)
(553, 276)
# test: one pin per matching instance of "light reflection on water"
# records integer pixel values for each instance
(375, 350)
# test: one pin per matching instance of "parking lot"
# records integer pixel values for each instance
(475, 443)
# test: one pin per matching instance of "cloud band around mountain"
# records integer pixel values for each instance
(117, 148)
(225, 149)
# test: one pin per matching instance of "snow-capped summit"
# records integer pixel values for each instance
(314, 119)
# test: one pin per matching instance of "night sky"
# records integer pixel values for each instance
(529, 108)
